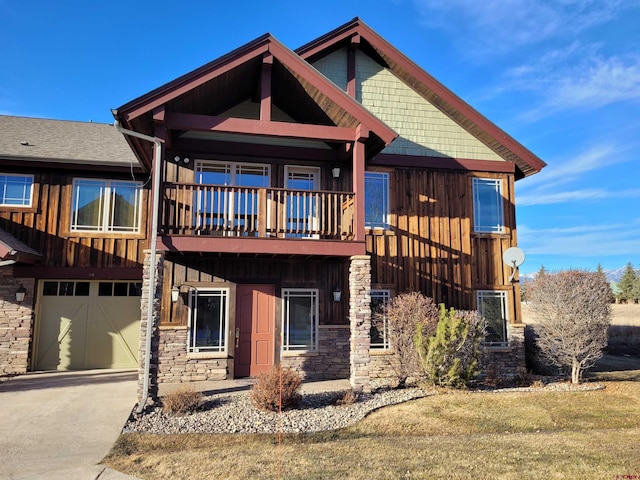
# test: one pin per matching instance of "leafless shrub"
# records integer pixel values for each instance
(348, 397)
(573, 312)
(267, 393)
(184, 400)
(406, 313)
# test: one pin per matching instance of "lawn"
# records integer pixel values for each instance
(530, 435)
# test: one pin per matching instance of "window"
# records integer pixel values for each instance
(15, 190)
(208, 314)
(65, 289)
(300, 319)
(229, 208)
(492, 305)
(379, 325)
(488, 216)
(106, 206)
(120, 289)
(301, 207)
(376, 200)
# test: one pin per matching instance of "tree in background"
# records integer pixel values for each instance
(573, 311)
(628, 285)
(406, 314)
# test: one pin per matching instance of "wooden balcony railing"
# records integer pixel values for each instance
(195, 209)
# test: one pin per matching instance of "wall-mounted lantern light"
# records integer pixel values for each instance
(175, 294)
(20, 293)
(336, 172)
(337, 294)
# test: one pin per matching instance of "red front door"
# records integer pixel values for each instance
(255, 329)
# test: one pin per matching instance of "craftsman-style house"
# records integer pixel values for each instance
(268, 201)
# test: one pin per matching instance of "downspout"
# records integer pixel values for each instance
(153, 264)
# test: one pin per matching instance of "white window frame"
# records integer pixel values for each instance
(308, 209)
(106, 213)
(312, 293)
(385, 295)
(384, 177)
(223, 335)
(27, 194)
(497, 225)
(503, 295)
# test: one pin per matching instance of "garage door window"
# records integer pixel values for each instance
(66, 289)
(120, 289)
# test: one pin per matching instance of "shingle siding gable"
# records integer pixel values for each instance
(424, 130)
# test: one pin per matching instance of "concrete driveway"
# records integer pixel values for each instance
(59, 425)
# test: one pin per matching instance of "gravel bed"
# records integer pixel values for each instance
(224, 413)
(235, 414)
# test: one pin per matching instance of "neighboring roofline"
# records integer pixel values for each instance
(449, 100)
(266, 43)
(14, 250)
(72, 164)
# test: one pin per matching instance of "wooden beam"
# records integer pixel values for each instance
(204, 123)
(244, 245)
(414, 161)
(358, 189)
(265, 88)
(351, 65)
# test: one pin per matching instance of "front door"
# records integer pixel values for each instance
(255, 329)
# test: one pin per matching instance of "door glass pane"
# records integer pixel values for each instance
(208, 326)
(302, 216)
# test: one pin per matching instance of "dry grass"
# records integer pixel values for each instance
(456, 435)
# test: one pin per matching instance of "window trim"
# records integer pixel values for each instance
(386, 214)
(386, 340)
(499, 226)
(504, 296)
(315, 296)
(192, 312)
(106, 228)
(14, 205)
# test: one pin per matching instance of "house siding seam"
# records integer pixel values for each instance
(424, 130)
(16, 323)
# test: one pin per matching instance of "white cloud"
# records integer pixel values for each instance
(589, 194)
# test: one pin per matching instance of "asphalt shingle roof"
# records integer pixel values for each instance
(62, 141)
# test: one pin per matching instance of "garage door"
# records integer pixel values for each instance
(83, 325)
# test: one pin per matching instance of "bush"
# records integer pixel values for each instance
(266, 393)
(348, 397)
(184, 400)
(451, 356)
(404, 314)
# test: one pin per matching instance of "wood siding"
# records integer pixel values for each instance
(45, 227)
(430, 245)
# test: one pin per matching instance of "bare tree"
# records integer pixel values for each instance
(406, 313)
(572, 309)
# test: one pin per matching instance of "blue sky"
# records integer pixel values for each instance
(561, 76)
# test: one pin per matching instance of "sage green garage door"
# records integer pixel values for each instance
(82, 325)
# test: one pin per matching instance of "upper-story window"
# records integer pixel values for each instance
(16, 190)
(376, 199)
(107, 206)
(488, 214)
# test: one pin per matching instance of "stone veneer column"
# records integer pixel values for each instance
(144, 317)
(16, 321)
(360, 320)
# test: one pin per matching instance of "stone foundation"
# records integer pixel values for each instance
(331, 362)
(505, 363)
(175, 366)
(16, 323)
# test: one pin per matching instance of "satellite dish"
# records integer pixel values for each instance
(514, 257)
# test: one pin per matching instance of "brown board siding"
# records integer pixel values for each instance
(45, 228)
(430, 245)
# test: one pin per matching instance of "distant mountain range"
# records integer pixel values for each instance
(612, 275)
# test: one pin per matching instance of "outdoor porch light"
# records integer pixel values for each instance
(337, 294)
(175, 294)
(20, 293)
(336, 172)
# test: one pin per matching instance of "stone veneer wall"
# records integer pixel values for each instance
(506, 363)
(331, 362)
(360, 321)
(16, 323)
(175, 366)
(383, 364)
(144, 317)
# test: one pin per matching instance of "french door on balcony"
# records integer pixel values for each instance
(229, 211)
(301, 206)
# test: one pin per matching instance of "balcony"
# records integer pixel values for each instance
(233, 216)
